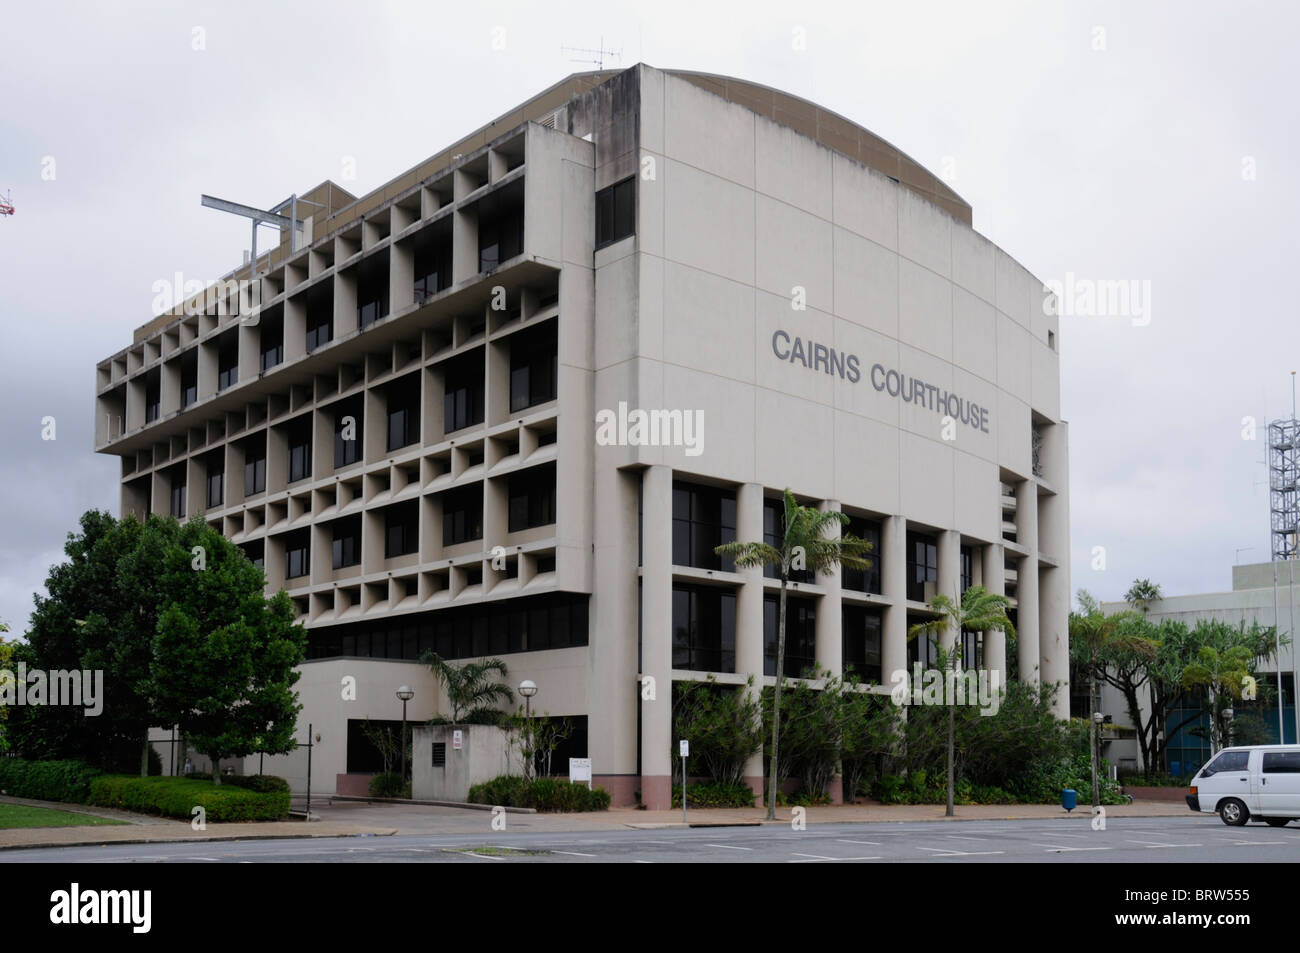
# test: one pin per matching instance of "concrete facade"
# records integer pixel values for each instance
(807, 292)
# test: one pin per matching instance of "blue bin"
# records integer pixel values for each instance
(1069, 799)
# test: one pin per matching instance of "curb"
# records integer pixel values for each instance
(352, 798)
(191, 840)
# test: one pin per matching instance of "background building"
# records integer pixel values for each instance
(1251, 600)
(642, 240)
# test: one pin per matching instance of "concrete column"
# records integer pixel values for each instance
(614, 695)
(995, 642)
(1053, 634)
(949, 576)
(1027, 580)
(829, 645)
(749, 613)
(893, 582)
(656, 635)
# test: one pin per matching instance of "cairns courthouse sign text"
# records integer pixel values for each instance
(819, 357)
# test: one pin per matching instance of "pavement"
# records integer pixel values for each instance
(363, 819)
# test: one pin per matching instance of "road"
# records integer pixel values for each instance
(1190, 840)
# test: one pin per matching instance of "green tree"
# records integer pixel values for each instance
(472, 688)
(101, 613)
(869, 731)
(804, 545)
(978, 611)
(1221, 674)
(224, 656)
(1095, 637)
(1142, 593)
(6, 656)
(723, 724)
(811, 726)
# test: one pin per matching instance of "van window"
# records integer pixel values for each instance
(1228, 761)
(1282, 762)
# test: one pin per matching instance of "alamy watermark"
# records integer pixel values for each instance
(932, 686)
(651, 428)
(82, 688)
(1099, 298)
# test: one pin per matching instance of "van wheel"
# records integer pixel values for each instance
(1233, 812)
(1277, 821)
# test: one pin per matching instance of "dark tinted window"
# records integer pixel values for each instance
(216, 478)
(299, 435)
(152, 395)
(401, 529)
(347, 542)
(704, 629)
(403, 398)
(800, 635)
(532, 498)
(1282, 762)
(703, 517)
(227, 359)
(1228, 761)
(922, 565)
(864, 580)
(533, 366)
(255, 465)
(296, 554)
(272, 340)
(189, 378)
(861, 629)
(463, 392)
(616, 212)
(347, 432)
(462, 515)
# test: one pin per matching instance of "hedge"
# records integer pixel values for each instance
(177, 797)
(714, 794)
(47, 780)
(543, 794)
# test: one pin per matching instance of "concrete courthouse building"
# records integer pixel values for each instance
(430, 432)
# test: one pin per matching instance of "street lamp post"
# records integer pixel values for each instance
(528, 688)
(1097, 719)
(1227, 715)
(405, 694)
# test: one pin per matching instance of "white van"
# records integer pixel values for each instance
(1259, 781)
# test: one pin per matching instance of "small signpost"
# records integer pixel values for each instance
(684, 748)
(580, 770)
(457, 739)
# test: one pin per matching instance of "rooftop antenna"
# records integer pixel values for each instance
(7, 204)
(599, 54)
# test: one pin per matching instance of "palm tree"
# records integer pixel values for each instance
(1094, 636)
(803, 546)
(1142, 593)
(471, 687)
(978, 611)
(1222, 674)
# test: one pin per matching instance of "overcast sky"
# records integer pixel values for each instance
(1152, 142)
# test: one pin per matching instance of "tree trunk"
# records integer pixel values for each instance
(952, 749)
(144, 755)
(776, 701)
(216, 770)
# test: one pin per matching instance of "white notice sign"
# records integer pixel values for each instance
(685, 747)
(579, 769)
(457, 739)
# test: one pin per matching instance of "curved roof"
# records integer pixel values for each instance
(835, 132)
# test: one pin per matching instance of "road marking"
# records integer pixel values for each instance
(1155, 845)
(818, 857)
(728, 847)
(845, 840)
(1060, 850)
(470, 853)
(956, 837)
(572, 853)
(945, 852)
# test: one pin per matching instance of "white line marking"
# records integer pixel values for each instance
(845, 840)
(814, 858)
(955, 837)
(728, 847)
(470, 853)
(572, 853)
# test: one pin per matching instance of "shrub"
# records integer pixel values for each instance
(47, 780)
(177, 797)
(389, 785)
(543, 794)
(713, 794)
(262, 783)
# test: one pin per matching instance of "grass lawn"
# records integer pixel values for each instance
(20, 815)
